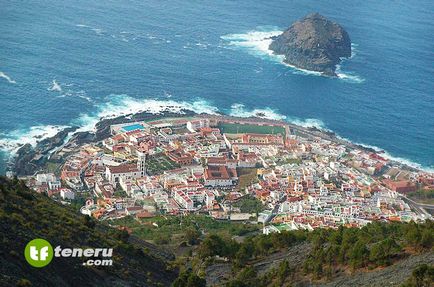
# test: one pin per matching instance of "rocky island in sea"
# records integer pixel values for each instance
(313, 43)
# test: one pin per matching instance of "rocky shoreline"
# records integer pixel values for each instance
(29, 160)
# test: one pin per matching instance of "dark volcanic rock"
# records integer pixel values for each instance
(81, 138)
(28, 160)
(313, 43)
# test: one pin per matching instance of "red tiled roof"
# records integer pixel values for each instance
(217, 172)
(123, 168)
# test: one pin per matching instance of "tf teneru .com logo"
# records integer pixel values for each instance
(39, 253)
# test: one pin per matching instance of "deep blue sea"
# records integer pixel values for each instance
(70, 62)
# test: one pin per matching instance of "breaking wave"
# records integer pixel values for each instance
(7, 78)
(67, 90)
(120, 105)
(55, 86)
(97, 31)
(309, 123)
(348, 76)
(256, 43)
(239, 110)
(12, 141)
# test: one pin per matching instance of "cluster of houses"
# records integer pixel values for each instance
(50, 184)
(183, 165)
(335, 185)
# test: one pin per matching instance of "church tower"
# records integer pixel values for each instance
(141, 164)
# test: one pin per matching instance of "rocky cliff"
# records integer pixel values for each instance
(313, 43)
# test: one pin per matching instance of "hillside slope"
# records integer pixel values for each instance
(379, 254)
(25, 215)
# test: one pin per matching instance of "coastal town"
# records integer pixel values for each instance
(300, 178)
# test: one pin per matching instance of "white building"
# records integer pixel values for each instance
(127, 171)
(219, 175)
(183, 200)
(49, 179)
(194, 125)
(66, 193)
(209, 198)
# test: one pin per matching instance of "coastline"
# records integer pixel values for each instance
(29, 159)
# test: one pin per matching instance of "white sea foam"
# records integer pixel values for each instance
(257, 44)
(348, 76)
(167, 94)
(239, 110)
(202, 45)
(82, 95)
(309, 123)
(12, 141)
(123, 105)
(97, 31)
(407, 162)
(354, 50)
(55, 86)
(7, 78)
(66, 90)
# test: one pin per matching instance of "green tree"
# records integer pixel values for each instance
(382, 252)
(284, 270)
(422, 276)
(359, 255)
(245, 278)
(211, 246)
(189, 279)
(192, 235)
(244, 253)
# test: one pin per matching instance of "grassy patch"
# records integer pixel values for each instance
(175, 227)
(249, 204)
(246, 128)
(247, 176)
(160, 163)
(52, 167)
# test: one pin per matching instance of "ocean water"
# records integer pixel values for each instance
(66, 63)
